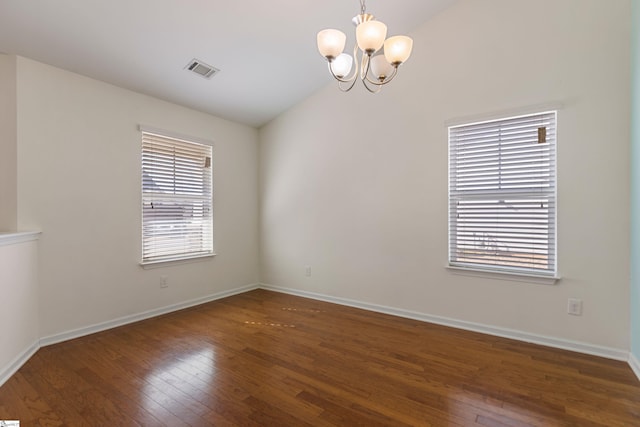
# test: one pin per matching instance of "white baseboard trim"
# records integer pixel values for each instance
(580, 347)
(634, 364)
(17, 363)
(99, 327)
(7, 371)
(610, 353)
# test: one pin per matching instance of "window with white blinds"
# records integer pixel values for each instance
(177, 220)
(502, 195)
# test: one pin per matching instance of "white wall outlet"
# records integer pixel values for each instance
(163, 282)
(307, 270)
(574, 307)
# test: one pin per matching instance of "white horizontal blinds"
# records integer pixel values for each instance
(176, 199)
(502, 187)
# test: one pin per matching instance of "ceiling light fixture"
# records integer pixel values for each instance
(374, 70)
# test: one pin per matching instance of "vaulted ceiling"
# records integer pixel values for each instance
(266, 50)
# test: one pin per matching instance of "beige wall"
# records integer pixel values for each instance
(635, 187)
(355, 185)
(19, 330)
(8, 144)
(79, 183)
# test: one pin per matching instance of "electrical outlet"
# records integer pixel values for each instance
(574, 307)
(307, 271)
(163, 282)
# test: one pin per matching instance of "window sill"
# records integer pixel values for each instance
(504, 275)
(170, 262)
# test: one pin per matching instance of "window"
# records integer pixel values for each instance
(176, 198)
(502, 195)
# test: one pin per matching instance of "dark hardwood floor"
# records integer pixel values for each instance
(269, 359)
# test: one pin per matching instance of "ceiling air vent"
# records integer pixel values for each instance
(201, 69)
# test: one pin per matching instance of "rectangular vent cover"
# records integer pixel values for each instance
(201, 69)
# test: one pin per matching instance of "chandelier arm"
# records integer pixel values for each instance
(377, 88)
(352, 78)
(364, 72)
(364, 65)
(386, 80)
(348, 88)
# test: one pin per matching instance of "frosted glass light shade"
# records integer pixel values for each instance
(397, 49)
(331, 43)
(341, 66)
(380, 68)
(370, 36)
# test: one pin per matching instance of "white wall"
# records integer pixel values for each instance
(8, 147)
(635, 187)
(79, 183)
(19, 332)
(355, 185)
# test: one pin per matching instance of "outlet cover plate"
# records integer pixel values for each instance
(574, 307)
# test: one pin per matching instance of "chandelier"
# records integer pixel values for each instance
(372, 67)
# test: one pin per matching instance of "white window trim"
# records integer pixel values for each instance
(498, 115)
(148, 265)
(177, 260)
(547, 278)
(541, 279)
(175, 135)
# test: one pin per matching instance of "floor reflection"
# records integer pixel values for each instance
(301, 310)
(278, 325)
(177, 382)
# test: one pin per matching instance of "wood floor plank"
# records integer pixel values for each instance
(28, 397)
(264, 358)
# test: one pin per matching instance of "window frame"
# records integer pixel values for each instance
(498, 268)
(149, 260)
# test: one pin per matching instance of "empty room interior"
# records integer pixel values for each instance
(199, 225)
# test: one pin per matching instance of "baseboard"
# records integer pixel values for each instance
(580, 347)
(17, 363)
(99, 327)
(610, 353)
(634, 364)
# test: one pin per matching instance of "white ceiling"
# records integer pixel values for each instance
(266, 49)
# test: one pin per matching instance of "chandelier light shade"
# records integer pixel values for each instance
(342, 65)
(370, 36)
(397, 49)
(331, 43)
(373, 67)
(380, 67)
